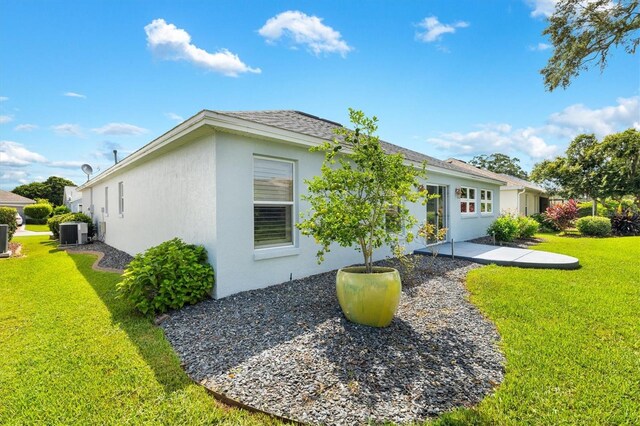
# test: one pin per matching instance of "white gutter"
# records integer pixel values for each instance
(518, 198)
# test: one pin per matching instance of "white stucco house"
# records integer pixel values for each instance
(232, 181)
(72, 198)
(518, 195)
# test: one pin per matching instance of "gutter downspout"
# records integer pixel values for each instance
(518, 199)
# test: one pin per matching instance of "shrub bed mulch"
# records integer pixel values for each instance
(288, 350)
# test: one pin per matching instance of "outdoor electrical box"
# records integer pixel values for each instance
(74, 233)
(4, 240)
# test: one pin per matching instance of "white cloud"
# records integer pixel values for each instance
(601, 121)
(6, 119)
(305, 30)
(540, 47)
(3, 98)
(171, 43)
(14, 176)
(561, 127)
(542, 8)
(65, 164)
(15, 154)
(25, 127)
(434, 29)
(120, 129)
(173, 116)
(74, 95)
(68, 129)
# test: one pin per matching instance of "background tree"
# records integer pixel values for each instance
(581, 172)
(582, 33)
(500, 163)
(51, 189)
(622, 153)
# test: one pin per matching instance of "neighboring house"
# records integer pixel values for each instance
(72, 198)
(9, 199)
(232, 181)
(518, 195)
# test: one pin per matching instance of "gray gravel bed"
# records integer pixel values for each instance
(288, 350)
(113, 258)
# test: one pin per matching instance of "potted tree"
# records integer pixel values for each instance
(358, 201)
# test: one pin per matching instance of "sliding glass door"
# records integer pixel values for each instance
(437, 211)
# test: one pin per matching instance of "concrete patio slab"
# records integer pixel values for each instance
(504, 256)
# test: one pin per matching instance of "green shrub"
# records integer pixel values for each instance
(505, 228)
(167, 276)
(38, 211)
(527, 227)
(8, 217)
(594, 226)
(55, 221)
(61, 210)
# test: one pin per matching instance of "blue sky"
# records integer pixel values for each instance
(450, 79)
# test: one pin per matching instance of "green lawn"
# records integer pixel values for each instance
(37, 228)
(70, 353)
(571, 338)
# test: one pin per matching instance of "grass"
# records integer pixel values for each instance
(37, 228)
(571, 338)
(71, 353)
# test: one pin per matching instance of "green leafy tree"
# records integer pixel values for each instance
(500, 163)
(622, 174)
(51, 189)
(581, 172)
(360, 189)
(583, 32)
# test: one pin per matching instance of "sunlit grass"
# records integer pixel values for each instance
(571, 338)
(37, 228)
(70, 353)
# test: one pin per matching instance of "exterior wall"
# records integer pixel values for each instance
(239, 267)
(463, 226)
(169, 195)
(509, 200)
(202, 192)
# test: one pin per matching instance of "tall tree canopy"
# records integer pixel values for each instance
(51, 189)
(582, 33)
(500, 163)
(610, 168)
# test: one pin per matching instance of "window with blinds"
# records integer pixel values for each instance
(273, 202)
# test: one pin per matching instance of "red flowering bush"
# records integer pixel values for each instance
(562, 215)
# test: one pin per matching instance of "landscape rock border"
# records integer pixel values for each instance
(287, 350)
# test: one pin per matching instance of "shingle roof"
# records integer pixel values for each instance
(510, 180)
(307, 124)
(7, 197)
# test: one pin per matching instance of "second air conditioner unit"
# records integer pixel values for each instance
(74, 233)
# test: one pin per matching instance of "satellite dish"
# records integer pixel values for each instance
(87, 169)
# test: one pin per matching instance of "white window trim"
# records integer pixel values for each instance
(486, 201)
(277, 250)
(121, 198)
(468, 200)
(106, 201)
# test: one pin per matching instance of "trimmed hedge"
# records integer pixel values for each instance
(8, 217)
(55, 221)
(594, 226)
(167, 276)
(61, 210)
(38, 211)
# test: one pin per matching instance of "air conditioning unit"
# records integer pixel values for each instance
(74, 233)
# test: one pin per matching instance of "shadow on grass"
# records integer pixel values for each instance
(148, 339)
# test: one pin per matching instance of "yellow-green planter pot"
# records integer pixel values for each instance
(369, 299)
